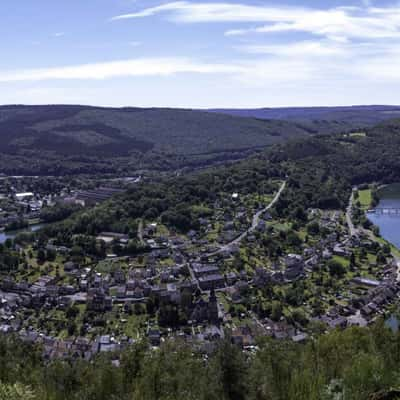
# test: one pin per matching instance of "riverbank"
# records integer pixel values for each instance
(388, 224)
(4, 235)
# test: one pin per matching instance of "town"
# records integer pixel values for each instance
(244, 273)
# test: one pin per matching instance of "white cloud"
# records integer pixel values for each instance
(305, 61)
(352, 54)
(148, 12)
(303, 49)
(184, 11)
(346, 22)
(338, 24)
(115, 69)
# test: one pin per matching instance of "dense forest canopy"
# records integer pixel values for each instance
(59, 140)
(355, 364)
(78, 139)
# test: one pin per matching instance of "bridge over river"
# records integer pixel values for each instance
(385, 211)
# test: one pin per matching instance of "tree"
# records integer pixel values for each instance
(16, 392)
(293, 239)
(352, 261)
(231, 368)
(41, 256)
(380, 258)
(313, 228)
(276, 311)
(336, 268)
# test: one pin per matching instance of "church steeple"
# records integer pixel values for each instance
(213, 307)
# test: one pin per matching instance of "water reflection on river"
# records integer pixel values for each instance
(11, 234)
(388, 223)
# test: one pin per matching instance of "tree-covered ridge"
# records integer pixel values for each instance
(56, 140)
(77, 139)
(320, 172)
(335, 119)
(355, 364)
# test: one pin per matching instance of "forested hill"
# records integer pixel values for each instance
(57, 139)
(320, 119)
(320, 172)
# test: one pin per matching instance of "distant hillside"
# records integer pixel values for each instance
(319, 119)
(86, 138)
(59, 139)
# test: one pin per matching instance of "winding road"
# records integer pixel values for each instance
(254, 224)
(349, 212)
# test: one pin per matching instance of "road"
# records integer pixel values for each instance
(254, 224)
(349, 212)
(140, 232)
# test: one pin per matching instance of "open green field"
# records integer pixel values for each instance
(358, 134)
(365, 198)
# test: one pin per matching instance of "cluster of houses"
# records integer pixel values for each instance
(364, 308)
(186, 273)
(24, 206)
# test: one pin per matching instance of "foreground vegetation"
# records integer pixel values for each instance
(350, 364)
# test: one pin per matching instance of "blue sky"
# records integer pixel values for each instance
(200, 53)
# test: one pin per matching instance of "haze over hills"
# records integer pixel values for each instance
(335, 118)
(69, 139)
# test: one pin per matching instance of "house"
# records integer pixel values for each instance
(357, 320)
(294, 272)
(242, 336)
(300, 337)
(326, 254)
(367, 311)
(261, 226)
(154, 337)
(98, 301)
(206, 311)
(24, 196)
(231, 278)
(338, 250)
(366, 282)
(8, 283)
(203, 270)
(334, 321)
(119, 277)
(70, 266)
(261, 277)
(209, 282)
(121, 292)
(294, 267)
(293, 260)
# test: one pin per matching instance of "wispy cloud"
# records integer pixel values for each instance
(187, 12)
(116, 69)
(345, 22)
(308, 48)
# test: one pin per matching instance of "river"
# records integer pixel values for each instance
(11, 234)
(389, 224)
